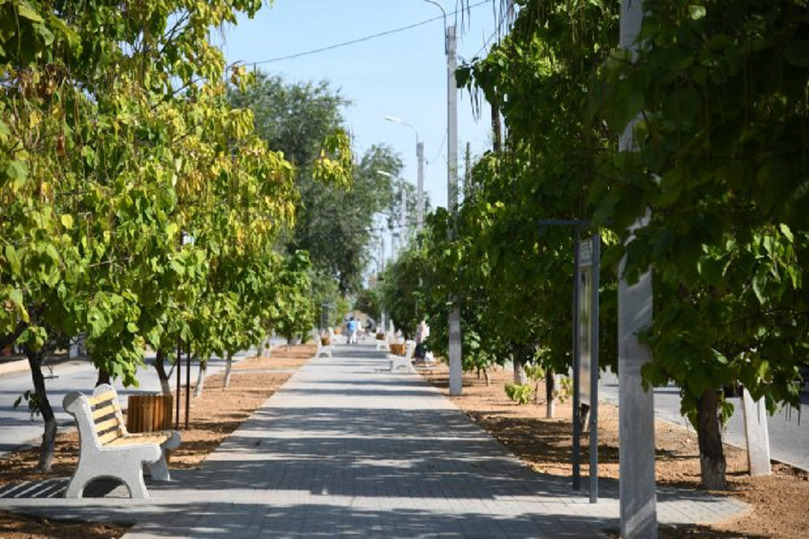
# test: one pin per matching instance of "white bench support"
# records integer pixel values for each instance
(324, 350)
(107, 449)
(383, 344)
(403, 363)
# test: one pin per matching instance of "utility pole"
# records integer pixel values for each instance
(638, 498)
(454, 319)
(420, 186)
(381, 265)
(402, 215)
(455, 366)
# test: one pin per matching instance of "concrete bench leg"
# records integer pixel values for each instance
(122, 465)
(158, 471)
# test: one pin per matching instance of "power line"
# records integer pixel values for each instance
(358, 40)
(495, 33)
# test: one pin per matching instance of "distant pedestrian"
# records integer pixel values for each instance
(423, 331)
(352, 331)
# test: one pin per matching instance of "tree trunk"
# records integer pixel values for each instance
(550, 387)
(487, 377)
(8, 340)
(44, 407)
(103, 377)
(711, 454)
(160, 367)
(203, 369)
(228, 365)
(519, 371)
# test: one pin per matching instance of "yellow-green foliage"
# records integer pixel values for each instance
(519, 393)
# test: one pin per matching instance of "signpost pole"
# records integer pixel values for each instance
(576, 359)
(594, 320)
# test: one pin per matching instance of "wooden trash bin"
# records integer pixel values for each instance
(149, 412)
(397, 349)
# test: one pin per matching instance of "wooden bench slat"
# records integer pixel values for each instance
(105, 411)
(95, 400)
(108, 437)
(107, 424)
(130, 440)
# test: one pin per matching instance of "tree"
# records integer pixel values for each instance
(722, 89)
(101, 177)
(333, 224)
(721, 94)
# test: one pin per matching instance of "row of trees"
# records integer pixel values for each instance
(336, 226)
(721, 164)
(140, 206)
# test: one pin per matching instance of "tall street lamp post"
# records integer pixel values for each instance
(455, 368)
(402, 233)
(420, 184)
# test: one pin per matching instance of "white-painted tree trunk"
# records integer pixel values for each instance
(165, 386)
(203, 368)
(228, 365)
(756, 434)
(519, 373)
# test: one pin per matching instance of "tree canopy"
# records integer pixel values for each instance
(139, 207)
(719, 92)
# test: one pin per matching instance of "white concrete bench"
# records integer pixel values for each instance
(108, 450)
(324, 349)
(382, 344)
(403, 363)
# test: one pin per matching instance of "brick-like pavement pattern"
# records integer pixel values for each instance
(346, 449)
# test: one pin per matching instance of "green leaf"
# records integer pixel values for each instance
(13, 259)
(696, 12)
(27, 12)
(17, 299)
(17, 171)
(72, 37)
(787, 232)
(52, 253)
(757, 289)
(67, 221)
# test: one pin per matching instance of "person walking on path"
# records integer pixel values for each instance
(352, 331)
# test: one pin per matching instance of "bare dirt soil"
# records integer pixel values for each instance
(780, 502)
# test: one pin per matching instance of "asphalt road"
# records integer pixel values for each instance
(788, 429)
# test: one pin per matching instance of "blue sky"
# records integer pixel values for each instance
(402, 74)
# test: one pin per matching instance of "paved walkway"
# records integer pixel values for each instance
(346, 449)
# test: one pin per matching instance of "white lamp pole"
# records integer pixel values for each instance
(420, 184)
(455, 366)
(402, 214)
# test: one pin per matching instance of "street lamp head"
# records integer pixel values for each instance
(397, 120)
